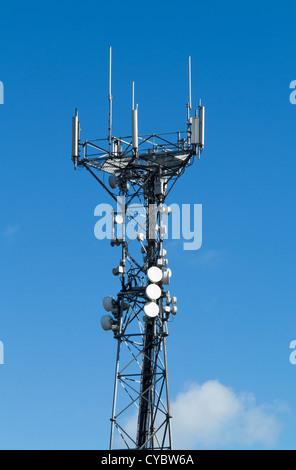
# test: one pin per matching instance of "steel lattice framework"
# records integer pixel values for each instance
(142, 171)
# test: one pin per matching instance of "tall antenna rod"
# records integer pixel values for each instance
(189, 70)
(189, 78)
(110, 101)
(133, 96)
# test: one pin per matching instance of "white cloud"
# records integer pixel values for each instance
(10, 231)
(207, 259)
(213, 416)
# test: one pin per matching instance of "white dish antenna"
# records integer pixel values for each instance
(113, 181)
(108, 303)
(151, 309)
(153, 291)
(154, 274)
(106, 322)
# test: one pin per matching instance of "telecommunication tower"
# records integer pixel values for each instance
(142, 171)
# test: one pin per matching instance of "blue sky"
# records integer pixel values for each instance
(236, 295)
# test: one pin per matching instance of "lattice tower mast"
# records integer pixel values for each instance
(142, 171)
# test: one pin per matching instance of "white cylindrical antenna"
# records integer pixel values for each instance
(134, 121)
(110, 100)
(75, 137)
(201, 125)
(195, 131)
